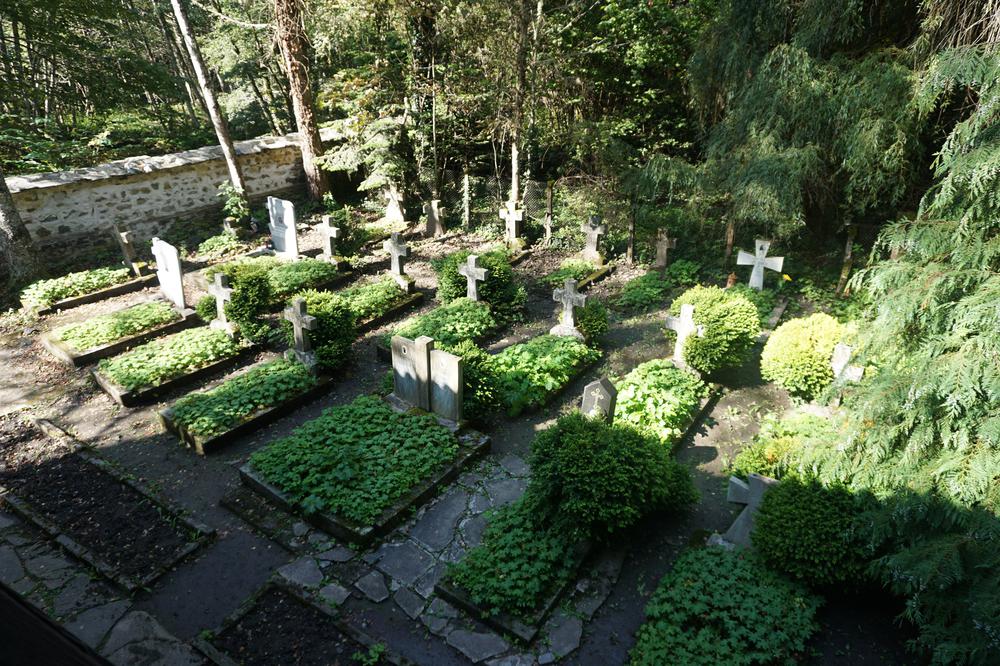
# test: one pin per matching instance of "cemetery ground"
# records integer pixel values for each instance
(384, 594)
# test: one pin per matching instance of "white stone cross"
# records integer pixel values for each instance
(759, 260)
(124, 239)
(473, 274)
(330, 236)
(664, 243)
(301, 322)
(599, 399)
(398, 251)
(594, 230)
(433, 211)
(750, 494)
(223, 294)
(841, 364)
(168, 272)
(569, 298)
(684, 326)
(284, 238)
(512, 217)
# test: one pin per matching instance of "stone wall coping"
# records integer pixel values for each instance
(146, 164)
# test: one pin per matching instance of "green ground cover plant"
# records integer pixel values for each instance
(501, 290)
(725, 607)
(220, 245)
(367, 301)
(576, 269)
(44, 293)
(530, 372)
(460, 320)
(659, 398)
(105, 329)
(355, 460)
(731, 327)
(778, 447)
(231, 403)
(290, 277)
(334, 333)
(651, 289)
(155, 362)
(797, 354)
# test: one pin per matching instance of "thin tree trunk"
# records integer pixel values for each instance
(730, 239)
(212, 104)
(294, 49)
(520, 70)
(845, 270)
(19, 262)
(176, 60)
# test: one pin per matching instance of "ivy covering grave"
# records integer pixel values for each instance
(105, 329)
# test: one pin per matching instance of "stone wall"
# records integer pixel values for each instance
(70, 212)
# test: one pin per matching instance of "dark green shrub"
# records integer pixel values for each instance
(683, 272)
(805, 530)
(482, 391)
(644, 292)
(501, 289)
(779, 445)
(659, 399)
(797, 354)
(724, 607)
(205, 308)
(334, 332)
(250, 299)
(592, 320)
(731, 328)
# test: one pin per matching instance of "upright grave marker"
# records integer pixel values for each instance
(330, 236)
(664, 243)
(301, 322)
(394, 206)
(599, 399)
(841, 364)
(284, 239)
(568, 297)
(473, 274)
(685, 327)
(447, 385)
(124, 239)
(411, 370)
(513, 218)
(593, 229)
(398, 252)
(759, 260)
(168, 272)
(434, 213)
(223, 294)
(750, 494)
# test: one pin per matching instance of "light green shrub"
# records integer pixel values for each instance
(797, 355)
(731, 328)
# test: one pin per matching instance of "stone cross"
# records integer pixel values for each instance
(749, 493)
(411, 370)
(168, 272)
(759, 260)
(398, 251)
(281, 215)
(664, 243)
(512, 217)
(433, 211)
(473, 274)
(840, 364)
(124, 239)
(599, 399)
(569, 298)
(223, 294)
(330, 236)
(684, 326)
(447, 385)
(593, 230)
(301, 322)
(394, 205)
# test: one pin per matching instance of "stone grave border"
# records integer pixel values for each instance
(135, 397)
(598, 275)
(78, 359)
(776, 314)
(472, 445)
(135, 284)
(216, 656)
(169, 509)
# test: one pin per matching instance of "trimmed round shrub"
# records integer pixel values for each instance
(592, 320)
(334, 332)
(797, 355)
(205, 308)
(731, 328)
(804, 529)
(599, 478)
(764, 299)
(500, 289)
(482, 390)
(250, 299)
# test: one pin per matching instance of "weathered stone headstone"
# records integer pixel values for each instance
(394, 205)
(749, 493)
(434, 213)
(841, 364)
(398, 251)
(301, 322)
(223, 293)
(447, 385)
(685, 327)
(411, 370)
(664, 243)
(599, 399)
(593, 229)
(330, 236)
(568, 297)
(513, 218)
(284, 239)
(168, 272)
(124, 239)
(473, 274)
(759, 260)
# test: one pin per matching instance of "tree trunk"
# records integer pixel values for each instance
(520, 72)
(730, 239)
(211, 103)
(19, 263)
(845, 269)
(294, 49)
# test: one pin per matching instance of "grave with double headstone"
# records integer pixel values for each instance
(297, 314)
(447, 385)
(569, 298)
(593, 230)
(473, 273)
(284, 239)
(398, 252)
(223, 293)
(840, 363)
(124, 240)
(664, 243)
(599, 399)
(435, 221)
(684, 326)
(427, 378)
(513, 219)
(169, 273)
(330, 236)
(759, 260)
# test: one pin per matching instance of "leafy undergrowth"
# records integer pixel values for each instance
(531, 372)
(576, 269)
(355, 460)
(105, 329)
(221, 245)
(228, 405)
(285, 277)
(158, 361)
(367, 301)
(651, 289)
(659, 398)
(450, 324)
(44, 293)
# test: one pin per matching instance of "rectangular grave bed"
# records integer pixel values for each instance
(78, 359)
(112, 522)
(471, 446)
(441, 317)
(137, 284)
(411, 300)
(281, 625)
(537, 344)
